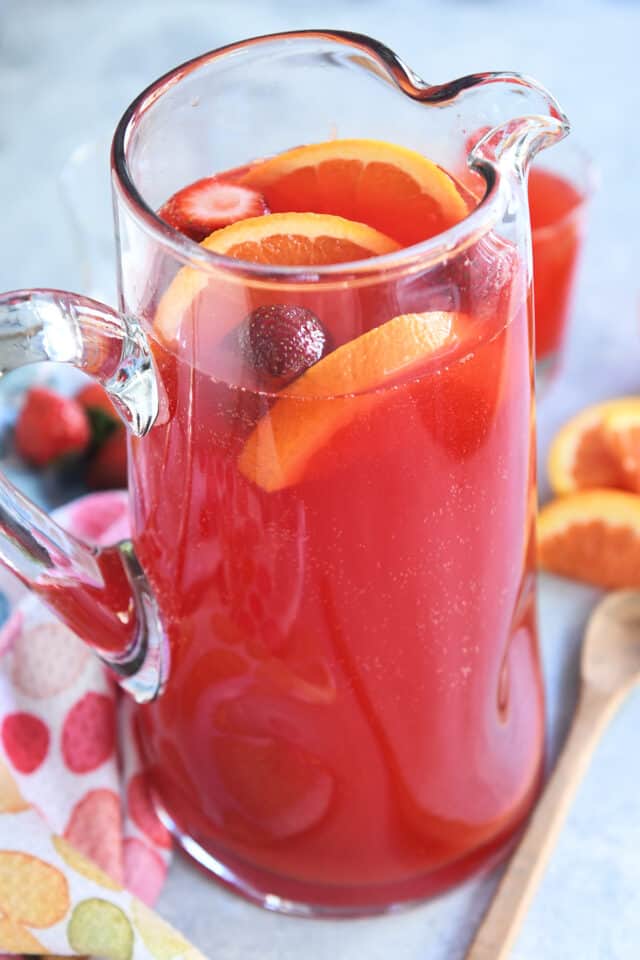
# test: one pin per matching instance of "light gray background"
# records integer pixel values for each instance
(68, 68)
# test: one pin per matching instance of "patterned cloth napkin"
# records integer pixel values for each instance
(82, 853)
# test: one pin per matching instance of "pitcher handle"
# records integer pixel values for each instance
(100, 593)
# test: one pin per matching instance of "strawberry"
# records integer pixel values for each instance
(102, 415)
(282, 341)
(50, 426)
(95, 397)
(207, 205)
(107, 468)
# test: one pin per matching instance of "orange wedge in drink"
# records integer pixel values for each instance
(392, 188)
(299, 240)
(594, 536)
(278, 451)
(278, 239)
(600, 447)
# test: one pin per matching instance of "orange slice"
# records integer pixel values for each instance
(277, 452)
(395, 190)
(594, 536)
(280, 239)
(600, 447)
(622, 431)
(299, 239)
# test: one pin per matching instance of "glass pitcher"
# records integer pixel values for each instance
(326, 610)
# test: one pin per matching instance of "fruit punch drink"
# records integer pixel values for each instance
(335, 516)
(558, 190)
(324, 359)
(557, 208)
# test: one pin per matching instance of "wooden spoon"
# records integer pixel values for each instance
(609, 668)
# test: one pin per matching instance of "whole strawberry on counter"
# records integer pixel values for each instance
(51, 427)
(107, 463)
(82, 431)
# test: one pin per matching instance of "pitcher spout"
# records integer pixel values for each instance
(506, 118)
(513, 143)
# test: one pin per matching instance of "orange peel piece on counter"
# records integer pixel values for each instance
(320, 402)
(599, 447)
(592, 536)
(622, 431)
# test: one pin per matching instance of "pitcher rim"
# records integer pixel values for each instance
(420, 256)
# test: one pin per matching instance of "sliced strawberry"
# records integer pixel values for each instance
(50, 427)
(207, 205)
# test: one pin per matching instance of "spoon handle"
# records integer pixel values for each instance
(501, 923)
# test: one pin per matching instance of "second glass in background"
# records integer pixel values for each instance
(560, 185)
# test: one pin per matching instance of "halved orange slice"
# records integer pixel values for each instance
(392, 188)
(622, 432)
(591, 450)
(594, 536)
(299, 239)
(280, 239)
(317, 404)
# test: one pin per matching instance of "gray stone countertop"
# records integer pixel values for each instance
(67, 71)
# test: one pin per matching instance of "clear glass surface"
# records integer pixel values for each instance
(331, 596)
(353, 718)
